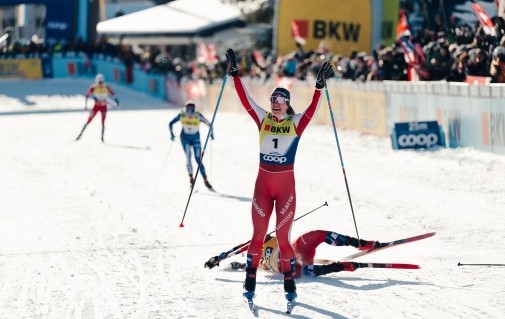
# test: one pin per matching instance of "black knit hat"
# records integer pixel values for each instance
(282, 92)
(285, 93)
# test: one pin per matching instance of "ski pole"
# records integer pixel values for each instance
(205, 146)
(211, 162)
(489, 265)
(163, 166)
(242, 247)
(341, 159)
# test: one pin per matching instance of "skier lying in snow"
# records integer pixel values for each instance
(305, 250)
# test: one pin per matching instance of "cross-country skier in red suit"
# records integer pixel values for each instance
(305, 250)
(100, 92)
(280, 130)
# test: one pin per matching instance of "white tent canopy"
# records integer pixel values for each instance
(181, 19)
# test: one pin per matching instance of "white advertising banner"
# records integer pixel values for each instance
(493, 126)
(470, 115)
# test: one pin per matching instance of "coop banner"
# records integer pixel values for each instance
(417, 135)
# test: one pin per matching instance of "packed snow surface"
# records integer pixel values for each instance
(91, 229)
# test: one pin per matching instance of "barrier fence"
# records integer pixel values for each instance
(470, 115)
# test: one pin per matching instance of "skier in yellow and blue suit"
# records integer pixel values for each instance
(190, 138)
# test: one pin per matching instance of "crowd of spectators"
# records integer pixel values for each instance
(150, 59)
(442, 53)
(450, 53)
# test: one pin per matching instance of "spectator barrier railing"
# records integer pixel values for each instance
(471, 115)
(78, 65)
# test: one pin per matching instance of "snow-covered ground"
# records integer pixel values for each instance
(91, 230)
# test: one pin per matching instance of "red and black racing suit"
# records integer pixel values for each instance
(275, 183)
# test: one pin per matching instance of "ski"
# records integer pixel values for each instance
(387, 265)
(369, 264)
(291, 298)
(251, 305)
(388, 245)
(248, 297)
(291, 304)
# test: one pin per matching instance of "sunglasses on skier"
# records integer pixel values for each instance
(278, 99)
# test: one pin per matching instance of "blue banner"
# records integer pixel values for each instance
(47, 67)
(417, 135)
(60, 17)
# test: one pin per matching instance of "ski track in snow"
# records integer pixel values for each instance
(91, 230)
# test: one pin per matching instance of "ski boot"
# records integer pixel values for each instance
(290, 291)
(362, 244)
(368, 244)
(191, 180)
(250, 283)
(103, 131)
(320, 270)
(289, 286)
(249, 287)
(207, 184)
(349, 266)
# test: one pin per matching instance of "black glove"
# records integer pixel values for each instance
(117, 101)
(235, 265)
(213, 262)
(172, 137)
(232, 62)
(212, 136)
(325, 72)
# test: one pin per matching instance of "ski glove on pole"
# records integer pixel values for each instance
(213, 262)
(325, 72)
(232, 62)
